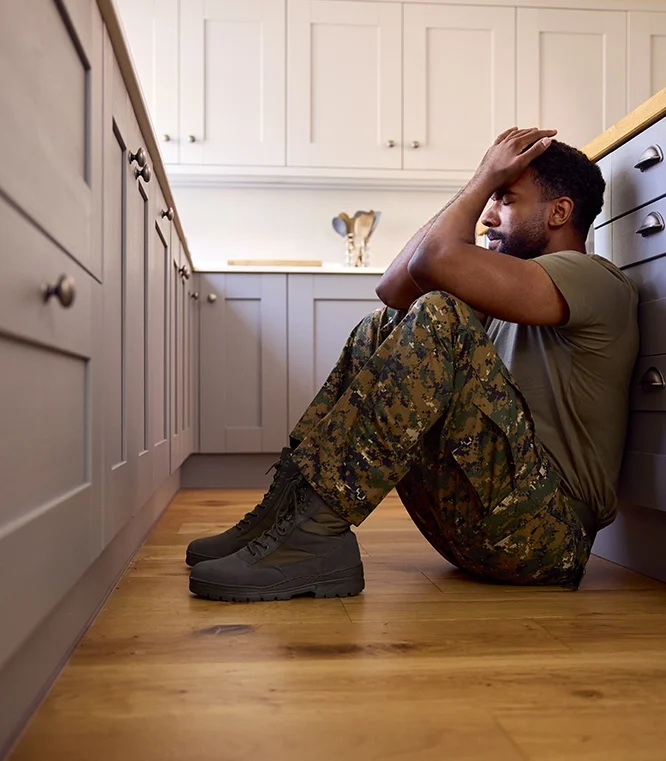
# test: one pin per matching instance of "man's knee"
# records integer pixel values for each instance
(443, 306)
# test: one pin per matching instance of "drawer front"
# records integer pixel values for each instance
(631, 246)
(648, 393)
(605, 165)
(632, 187)
(51, 119)
(652, 327)
(650, 277)
(47, 450)
(643, 477)
(602, 242)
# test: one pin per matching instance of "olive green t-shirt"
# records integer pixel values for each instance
(576, 377)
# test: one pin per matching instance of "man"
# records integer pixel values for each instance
(504, 443)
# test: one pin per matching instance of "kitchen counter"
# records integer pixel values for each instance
(635, 121)
(327, 269)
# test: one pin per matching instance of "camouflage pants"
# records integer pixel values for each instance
(421, 401)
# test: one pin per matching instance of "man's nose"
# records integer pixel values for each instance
(490, 217)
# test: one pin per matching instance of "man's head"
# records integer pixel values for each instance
(549, 207)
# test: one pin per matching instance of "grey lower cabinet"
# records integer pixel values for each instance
(50, 308)
(323, 309)
(243, 362)
(267, 343)
(631, 233)
(98, 333)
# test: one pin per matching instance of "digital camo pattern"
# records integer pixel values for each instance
(420, 401)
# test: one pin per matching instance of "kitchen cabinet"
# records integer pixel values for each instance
(558, 47)
(51, 122)
(344, 94)
(647, 55)
(50, 447)
(232, 82)
(243, 368)
(459, 83)
(85, 327)
(152, 29)
(159, 271)
(128, 466)
(323, 309)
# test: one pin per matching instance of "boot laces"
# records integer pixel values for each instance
(291, 502)
(261, 507)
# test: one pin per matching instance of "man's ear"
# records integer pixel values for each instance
(560, 211)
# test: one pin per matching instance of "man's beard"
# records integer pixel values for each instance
(527, 242)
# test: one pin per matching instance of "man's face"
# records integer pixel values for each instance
(517, 219)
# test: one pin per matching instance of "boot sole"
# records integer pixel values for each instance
(350, 585)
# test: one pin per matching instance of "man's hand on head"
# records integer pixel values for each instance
(511, 153)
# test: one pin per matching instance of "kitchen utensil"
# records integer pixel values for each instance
(340, 225)
(363, 224)
(348, 221)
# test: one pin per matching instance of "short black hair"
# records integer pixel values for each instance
(562, 170)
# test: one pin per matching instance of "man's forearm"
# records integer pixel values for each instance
(397, 288)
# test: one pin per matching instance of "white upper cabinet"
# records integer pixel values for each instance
(459, 82)
(151, 27)
(647, 56)
(572, 68)
(344, 74)
(232, 82)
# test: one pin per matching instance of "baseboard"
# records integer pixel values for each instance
(228, 471)
(636, 540)
(28, 676)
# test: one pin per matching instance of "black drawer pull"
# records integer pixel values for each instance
(653, 223)
(652, 378)
(651, 155)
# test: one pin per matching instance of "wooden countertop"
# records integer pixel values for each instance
(120, 48)
(635, 121)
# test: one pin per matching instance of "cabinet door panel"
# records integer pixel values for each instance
(647, 56)
(177, 362)
(50, 125)
(151, 27)
(460, 91)
(158, 316)
(323, 309)
(49, 479)
(344, 84)
(127, 221)
(232, 82)
(243, 363)
(559, 47)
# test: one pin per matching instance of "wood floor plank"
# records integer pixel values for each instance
(426, 664)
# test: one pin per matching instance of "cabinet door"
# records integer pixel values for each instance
(647, 56)
(127, 221)
(50, 128)
(460, 89)
(50, 502)
(243, 363)
(323, 310)
(232, 82)
(192, 423)
(151, 27)
(344, 84)
(571, 71)
(158, 331)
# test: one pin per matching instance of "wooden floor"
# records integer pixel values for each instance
(426, 664)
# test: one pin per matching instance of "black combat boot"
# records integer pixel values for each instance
(309, 551)
(251, 526)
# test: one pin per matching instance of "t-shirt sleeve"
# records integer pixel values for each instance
(598, 299)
